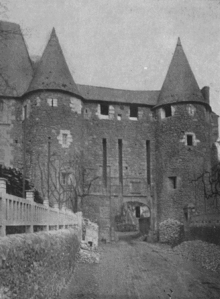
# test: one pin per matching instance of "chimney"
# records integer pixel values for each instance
(205, 93)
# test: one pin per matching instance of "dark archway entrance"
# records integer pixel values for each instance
(135, 216)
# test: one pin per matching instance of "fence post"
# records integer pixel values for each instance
(56, 207)
(79, 220)
(3, 209)
(30, 197)
(46, 204)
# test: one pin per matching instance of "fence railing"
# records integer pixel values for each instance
(16, 211)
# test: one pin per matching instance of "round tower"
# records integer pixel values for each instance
(52, 124)
(182, 141)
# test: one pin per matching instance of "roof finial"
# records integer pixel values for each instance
(179, 42)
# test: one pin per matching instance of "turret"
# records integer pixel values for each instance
(182, 140)
(53, 124)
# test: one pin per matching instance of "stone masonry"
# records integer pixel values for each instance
(139, 147)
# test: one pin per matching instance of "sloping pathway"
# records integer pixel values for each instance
(141, 270)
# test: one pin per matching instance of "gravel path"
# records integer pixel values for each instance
(140, 270)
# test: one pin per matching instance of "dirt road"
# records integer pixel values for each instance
(135, 269)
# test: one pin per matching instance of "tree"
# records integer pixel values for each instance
(70, 179)
(210, 180)
(14, 183)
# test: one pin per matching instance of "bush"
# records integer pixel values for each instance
(15, 183)
(171, 231)
(37, 265)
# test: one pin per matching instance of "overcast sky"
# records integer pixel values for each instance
(125, 44)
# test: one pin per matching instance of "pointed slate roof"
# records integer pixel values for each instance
(52, 71)
(180, 84)
(15, 65)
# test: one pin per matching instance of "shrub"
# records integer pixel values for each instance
(37, 265)
(171, 231)
(15, 183)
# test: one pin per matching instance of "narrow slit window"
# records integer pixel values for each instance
(133, 111)
(138, 212)
(24, 111)
(104, 148)
(120, 164)
(1, 105)
(189, 139)
(173, 182)
(64, 178)
(148, 158)
(104, 109)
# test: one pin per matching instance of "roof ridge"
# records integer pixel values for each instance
(119, 89)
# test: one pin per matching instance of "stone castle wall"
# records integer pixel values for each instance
(176, 159)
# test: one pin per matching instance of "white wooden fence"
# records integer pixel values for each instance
(16, 211)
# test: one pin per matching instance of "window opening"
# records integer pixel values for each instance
(1, 105)
(64, 139)
(133, 111)
(137, 212)
(148, 162)
(189, 140)
(173, 182)
(25, 111)
(64, 178)
(104, 109)
(119, 117)
(168, 111)
(120, 163)
(104, 149)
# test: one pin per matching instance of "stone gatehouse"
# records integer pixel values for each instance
(142, 147)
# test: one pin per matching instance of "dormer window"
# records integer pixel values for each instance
(104, 109)
(133, 111)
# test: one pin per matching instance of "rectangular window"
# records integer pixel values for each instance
(138, 212)
(52, 102)
(104, 150)
(64, 139)
(148, 158)
(166, 111)
(119, 117)
(120, 163)
(1, 105)
(104, 109)
(173, 182)
(64, 178)
(24, 111)
(189, 139)
(134, 111)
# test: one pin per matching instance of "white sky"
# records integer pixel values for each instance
(126, 44)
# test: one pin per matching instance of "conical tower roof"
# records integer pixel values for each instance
(15, 65)
(52, 71)
(180, 84)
